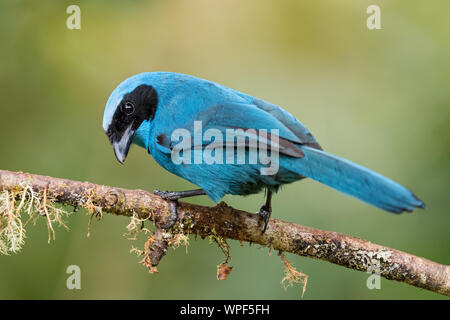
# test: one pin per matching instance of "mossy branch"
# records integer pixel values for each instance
(227, 223)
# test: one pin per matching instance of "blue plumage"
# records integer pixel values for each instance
(354, 180)
(148, 108)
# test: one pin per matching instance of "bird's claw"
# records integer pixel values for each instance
(173, 203)
(172, 197)
(173, 214)
(265, 213)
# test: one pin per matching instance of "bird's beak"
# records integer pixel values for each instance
(122, 146)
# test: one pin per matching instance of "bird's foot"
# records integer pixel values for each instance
(172, 198)
(173, 214)
(265, 213)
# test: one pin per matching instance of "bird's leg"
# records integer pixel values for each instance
(172, 197)
(266, 210)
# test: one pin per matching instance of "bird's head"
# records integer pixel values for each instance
(129, 108)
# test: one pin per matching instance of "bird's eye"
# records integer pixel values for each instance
(128, 108)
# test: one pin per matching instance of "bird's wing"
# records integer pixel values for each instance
(303, 134)
(239, 116)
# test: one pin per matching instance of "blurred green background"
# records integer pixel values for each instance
(379, 98)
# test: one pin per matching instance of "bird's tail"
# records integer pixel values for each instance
(354, 180)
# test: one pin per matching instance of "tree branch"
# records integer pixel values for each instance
(226, 222)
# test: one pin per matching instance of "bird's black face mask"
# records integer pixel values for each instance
(135, 107)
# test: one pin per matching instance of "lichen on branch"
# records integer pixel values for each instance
(19, 207)
(219, 222)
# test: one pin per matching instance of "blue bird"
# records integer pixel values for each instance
(162, 111)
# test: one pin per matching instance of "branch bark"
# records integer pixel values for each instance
(226, 222)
